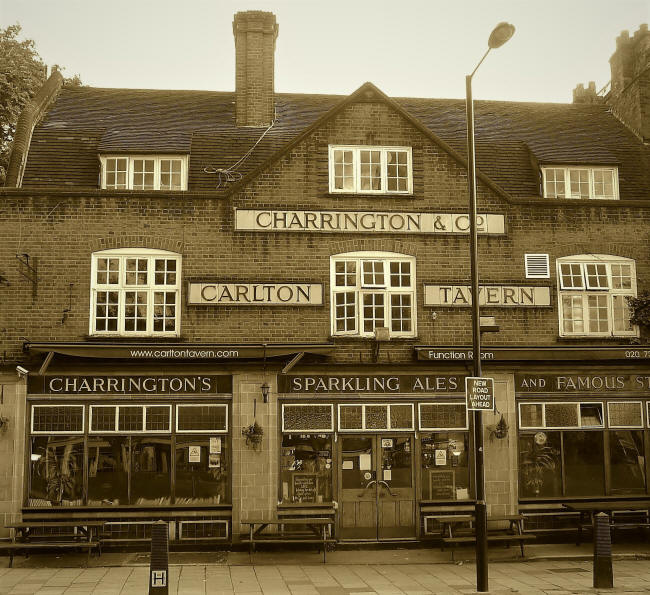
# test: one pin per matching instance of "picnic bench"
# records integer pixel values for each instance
(623, 514)
(52, 535)
(318, 532)
(459, 529)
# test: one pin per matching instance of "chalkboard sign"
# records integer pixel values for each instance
(305, 487)
(442, 484)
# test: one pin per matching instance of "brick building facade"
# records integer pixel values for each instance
(166, 255)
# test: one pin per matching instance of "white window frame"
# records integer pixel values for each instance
(142, 430)
(363, 418)
(356, 165)
(454, 404)
(360, 290)
(57, 433)
(309, 430)
(122, 254)
(567, 169)
(203, 431)
(585, 291)
(639, 403)
(157, 158)
(577, 404)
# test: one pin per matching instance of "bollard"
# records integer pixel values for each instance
(159, 567)
(603, 574)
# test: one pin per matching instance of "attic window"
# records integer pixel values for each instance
(144, 172)
(370, 170)
(581, 182)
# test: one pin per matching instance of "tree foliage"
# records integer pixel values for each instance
(22, 73)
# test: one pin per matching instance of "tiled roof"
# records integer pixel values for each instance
(510, 136)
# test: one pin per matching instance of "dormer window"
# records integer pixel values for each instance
(370, 170)
(144, 172)
(580, 182)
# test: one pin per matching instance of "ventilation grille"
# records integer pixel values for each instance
(203, 529)
(537, 266)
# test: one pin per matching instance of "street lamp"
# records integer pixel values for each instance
(501, 33)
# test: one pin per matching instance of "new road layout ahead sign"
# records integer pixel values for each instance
(479, 393)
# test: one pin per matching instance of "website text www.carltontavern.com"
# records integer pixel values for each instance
(184, 353)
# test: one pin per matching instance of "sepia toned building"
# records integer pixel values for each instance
(224, 306)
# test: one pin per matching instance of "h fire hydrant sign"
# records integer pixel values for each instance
(479, 393)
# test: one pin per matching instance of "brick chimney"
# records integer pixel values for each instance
(629, 96)
(255, 33)
(588, 95)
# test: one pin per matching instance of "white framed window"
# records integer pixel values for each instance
(144, 172)
(306, 417)
(197, 417)
(580, 182)
(443, 416)
(135, 291)
(371, 290)
(57, 419)
(556, 415)
(371, 417)
(625, 414)
(372, 170)
(130, 419)
(593, 292)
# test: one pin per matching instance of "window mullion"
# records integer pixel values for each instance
(383, 161)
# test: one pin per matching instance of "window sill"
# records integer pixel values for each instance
(624, 339)
(354, 338)
(134, 338)
(391, 195)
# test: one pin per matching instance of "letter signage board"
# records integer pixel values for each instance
(366, 222)
(255, 294)
(497, 296)
(479, 392)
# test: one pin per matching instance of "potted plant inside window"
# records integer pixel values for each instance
(253, 435)
(640, 311)
(60, 473)
(539, 459)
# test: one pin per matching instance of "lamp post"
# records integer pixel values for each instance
(501, 33)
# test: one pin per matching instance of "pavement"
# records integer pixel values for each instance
(557, 569)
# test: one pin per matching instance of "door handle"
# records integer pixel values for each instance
(367, 486)
(383, 483)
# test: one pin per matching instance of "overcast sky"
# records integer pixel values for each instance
(415, 48)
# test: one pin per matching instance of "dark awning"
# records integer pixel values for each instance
(178, 351)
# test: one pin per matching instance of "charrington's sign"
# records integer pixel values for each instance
(355, 384)
(366, 222)
(130, 385)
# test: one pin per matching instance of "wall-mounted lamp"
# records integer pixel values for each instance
(265, 392)
(382, 335)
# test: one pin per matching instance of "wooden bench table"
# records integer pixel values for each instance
(81, 535)
(514, 532)
(319, 528)
(588, 510)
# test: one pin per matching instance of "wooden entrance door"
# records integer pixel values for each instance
(377, 494)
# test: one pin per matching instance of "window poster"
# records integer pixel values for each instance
(214, 460)
(441, 457)
(194, 454)
(215, 445)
